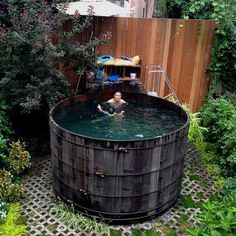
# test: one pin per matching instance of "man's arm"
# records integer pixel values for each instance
(99, 108)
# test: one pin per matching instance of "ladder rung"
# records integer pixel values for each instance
(154, 71)
(157, 69)
(154, 94)
(171, 94)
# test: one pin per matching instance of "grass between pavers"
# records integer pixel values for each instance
(14, 224)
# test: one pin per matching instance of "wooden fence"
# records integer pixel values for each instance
(182, 48)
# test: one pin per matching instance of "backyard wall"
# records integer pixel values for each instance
(181, 47)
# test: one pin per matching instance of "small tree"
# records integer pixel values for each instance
(29, 73)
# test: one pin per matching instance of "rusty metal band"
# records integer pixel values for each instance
(85, 209)
(131, 196)
(124, 175)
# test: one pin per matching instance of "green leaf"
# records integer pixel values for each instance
(150, 232)
(114, 232)
(137, 232)
(216, 233)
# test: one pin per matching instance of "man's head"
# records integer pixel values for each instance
(117, 96)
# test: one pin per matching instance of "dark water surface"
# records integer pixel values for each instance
(141, 120)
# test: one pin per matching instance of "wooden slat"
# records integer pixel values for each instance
(181, 47)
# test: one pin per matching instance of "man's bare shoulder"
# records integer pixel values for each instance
(111, 100)
(122, 101)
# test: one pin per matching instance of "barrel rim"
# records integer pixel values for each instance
(52, 110)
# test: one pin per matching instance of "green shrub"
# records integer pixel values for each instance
(29, 58)
(11, 227)
(115, 232)
(218, 217)
(229, 186)
(19, 158)
(196, 131)
(3, 211)
(5, 131)
(5, 126)
(223, 58)
(196, 136)
(3, 150)
(10, 191)
(219, 117)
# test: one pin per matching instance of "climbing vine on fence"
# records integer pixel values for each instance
(223, 59)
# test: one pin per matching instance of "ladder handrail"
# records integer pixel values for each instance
(156, 69)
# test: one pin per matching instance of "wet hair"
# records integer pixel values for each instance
(111, 110)
(117, 91)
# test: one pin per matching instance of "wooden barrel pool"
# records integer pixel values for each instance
(118, 181)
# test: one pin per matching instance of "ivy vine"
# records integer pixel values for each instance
(223, 61)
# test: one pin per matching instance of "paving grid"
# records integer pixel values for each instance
(40, 199)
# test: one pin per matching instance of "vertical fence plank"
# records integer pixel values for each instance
(181, 47)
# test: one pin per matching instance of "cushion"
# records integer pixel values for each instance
(113, 77)
(135, 61)
(121, 62)
(105, 58)
(110, 62)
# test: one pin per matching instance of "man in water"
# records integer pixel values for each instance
(116, 102)
(111, 112)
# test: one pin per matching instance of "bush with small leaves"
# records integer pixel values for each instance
(3, 210)
(219, 117)
(229, 186)
(19, 158)
(10, 191)
(11, 226)
(34, 41)
(218, 217)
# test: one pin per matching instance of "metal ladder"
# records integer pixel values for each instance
(160, 78)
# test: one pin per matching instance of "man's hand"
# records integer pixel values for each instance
(99, 108)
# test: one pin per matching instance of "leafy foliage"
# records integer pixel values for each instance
(15, 159)
(29, 58)
(3, 150)
(115, 232)
(203, 9)
(218, 217)
(5, 127)
(10, 191)
(5, 132)
(90, 225)
(196, 131)
(196, 135)
(19, 158)
(138, 232)
(79, 221)
(219, 117)
(10, 225)
(160, 10)
(229, 185)
(223, 60)
(3, 211)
